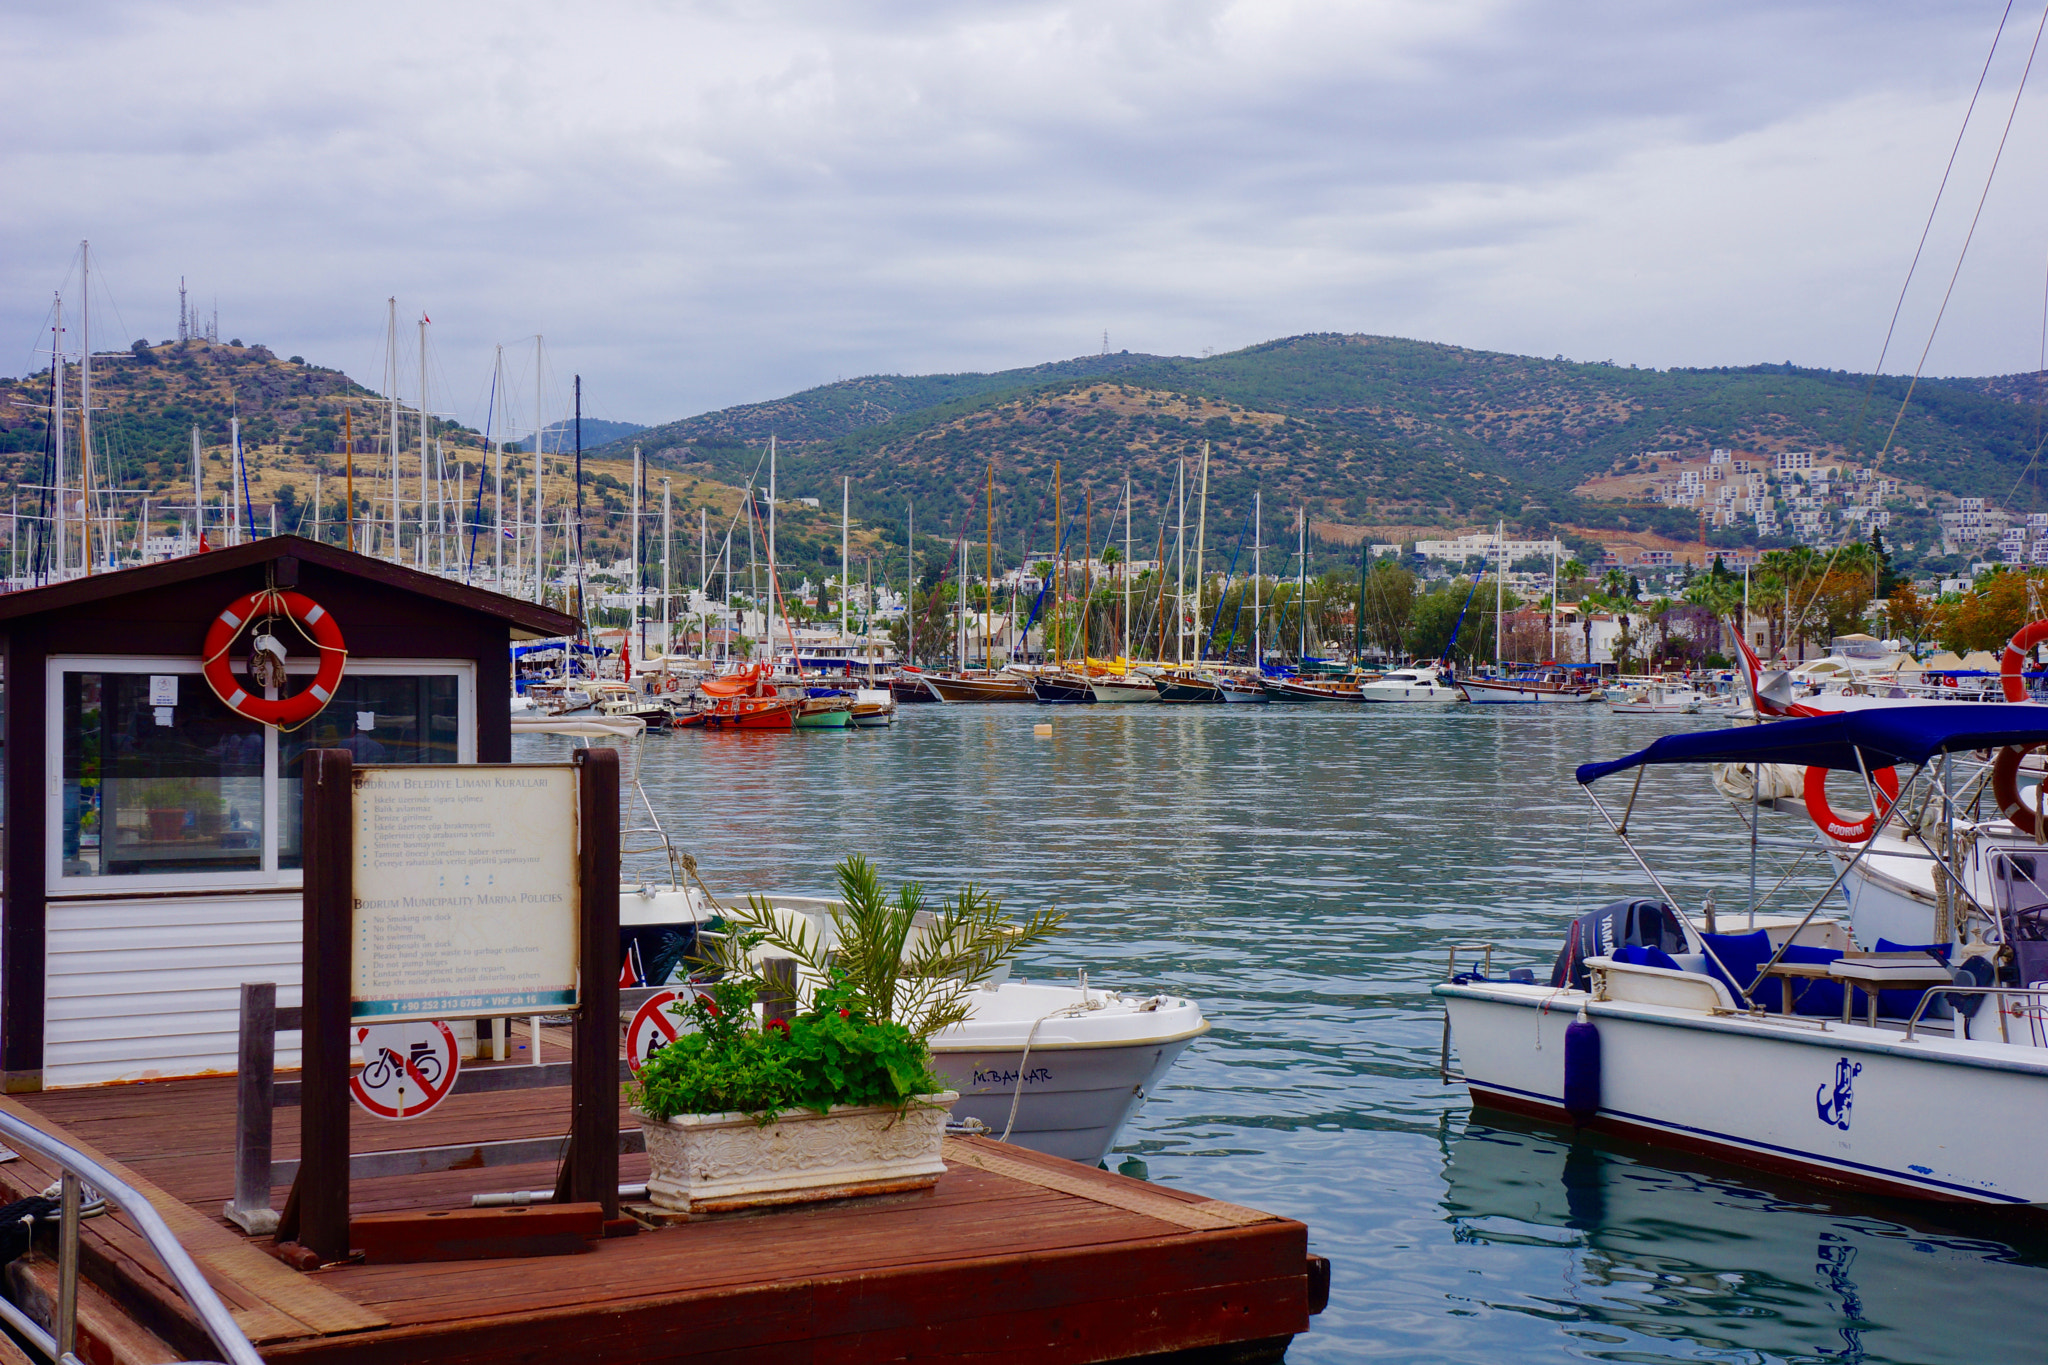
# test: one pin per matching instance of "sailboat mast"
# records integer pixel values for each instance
(845, 512)
(1553, 597)
(539, 500)
(1258, 589)
(85, 402)
(1201, 546)
(1127, 569)
(668, 642)
(1301, 588)
(1500, 581)
(960, 616)
(910, 582)
(773, 584)
(57, 528)
(639, 556)
(1180, 560)
(391, 389)
(348, 444)
(421, 548)
(1059, 539)
(235, 477)
(988, 578)
(498, 471)
(582, 607)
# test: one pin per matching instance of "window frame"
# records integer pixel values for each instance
(268, 877)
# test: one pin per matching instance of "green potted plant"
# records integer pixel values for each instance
(832, 1094)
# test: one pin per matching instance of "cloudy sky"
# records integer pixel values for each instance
(709, 203)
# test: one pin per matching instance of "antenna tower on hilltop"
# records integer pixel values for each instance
(1105, 341)
(184, 318)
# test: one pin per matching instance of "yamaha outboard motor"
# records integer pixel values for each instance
(1640, 924)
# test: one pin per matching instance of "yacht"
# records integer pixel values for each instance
(1808, 1044)
(1424, 684)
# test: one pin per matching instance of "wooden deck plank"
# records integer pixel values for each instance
(1011, 1257)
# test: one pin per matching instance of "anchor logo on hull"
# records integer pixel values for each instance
(1833, 1105)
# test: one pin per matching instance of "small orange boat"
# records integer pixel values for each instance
(740, 701)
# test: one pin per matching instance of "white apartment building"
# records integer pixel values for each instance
(1484, 545)
(1794, 461)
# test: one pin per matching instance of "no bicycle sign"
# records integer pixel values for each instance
(407, 1068)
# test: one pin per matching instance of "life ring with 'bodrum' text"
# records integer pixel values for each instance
(313, 621)
(1834, 826)
(2014, 661)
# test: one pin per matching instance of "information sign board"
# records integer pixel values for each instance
(463, 894)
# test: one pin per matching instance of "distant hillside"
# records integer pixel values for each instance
(147, 401)
(1368, 430)
(562, 435)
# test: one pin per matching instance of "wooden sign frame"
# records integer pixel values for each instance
(590, 1169)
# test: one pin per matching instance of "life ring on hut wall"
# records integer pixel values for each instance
(2014, 661)
(313, 620)
(2005, 788)
(1858, 831)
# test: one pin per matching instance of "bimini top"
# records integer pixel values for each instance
(1884, 735)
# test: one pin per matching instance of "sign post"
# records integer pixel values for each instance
(437, 890)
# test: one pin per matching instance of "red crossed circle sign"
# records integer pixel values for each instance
(653, 1028)
(407, 1068)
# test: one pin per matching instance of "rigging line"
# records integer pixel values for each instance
(1963, 254)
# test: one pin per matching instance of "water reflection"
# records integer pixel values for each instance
(1648, 1246)
(1300, 871)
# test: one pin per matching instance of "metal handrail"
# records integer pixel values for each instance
(214, 1316)
(2004, 1032)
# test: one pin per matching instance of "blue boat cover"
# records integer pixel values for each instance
(1885, 736)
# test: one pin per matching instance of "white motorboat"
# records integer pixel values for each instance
(1054, 1067)
(1059, 1068)
(1659, 698)
(1423, 685)
(1915, 1068)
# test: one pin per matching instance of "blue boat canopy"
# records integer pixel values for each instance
(1885, 735)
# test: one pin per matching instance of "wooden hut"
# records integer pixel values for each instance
(151, 856)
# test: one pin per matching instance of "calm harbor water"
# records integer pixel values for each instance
(1302, 871)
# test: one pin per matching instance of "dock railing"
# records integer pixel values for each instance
(78, 1171)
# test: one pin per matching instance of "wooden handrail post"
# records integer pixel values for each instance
(255, 1097)
(591, 1174)
(328, 840)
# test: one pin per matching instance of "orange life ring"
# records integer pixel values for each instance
(2005, 787)
(1858, 831)
(2014, 660)
(312, 619)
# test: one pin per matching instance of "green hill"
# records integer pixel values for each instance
(1365, 430)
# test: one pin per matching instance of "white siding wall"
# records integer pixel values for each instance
(148, 988)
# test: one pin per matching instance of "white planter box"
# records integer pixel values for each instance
(710, 1163)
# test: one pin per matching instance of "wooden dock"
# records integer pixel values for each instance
(1013, 1257)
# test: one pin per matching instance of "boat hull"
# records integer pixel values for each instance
(1062, 691)
(994, 687)
(1189, 691)
(1073, 1099)
(910, 687)
(1286, 689)
(1850, 1106)
(1119, 690)
(1489, 692)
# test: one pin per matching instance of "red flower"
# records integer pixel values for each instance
(846, 1014)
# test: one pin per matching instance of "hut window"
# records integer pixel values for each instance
(163, 784)
(152, 788)
(378, 718)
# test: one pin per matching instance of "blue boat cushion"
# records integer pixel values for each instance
(1637, 956)
(1744, 954)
